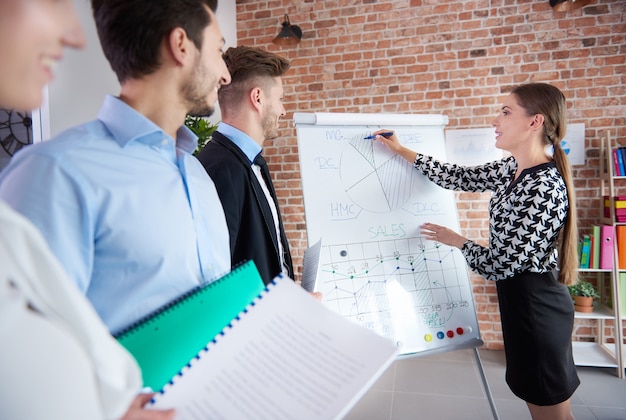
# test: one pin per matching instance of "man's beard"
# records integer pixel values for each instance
(270, 129)
(196, 102)
(207, 111)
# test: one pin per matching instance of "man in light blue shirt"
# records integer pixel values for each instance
(129, 212)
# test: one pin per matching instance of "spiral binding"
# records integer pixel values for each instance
(153, 316)
(216, 339)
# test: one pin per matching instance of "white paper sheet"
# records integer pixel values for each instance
(288, 357)
(311, 266)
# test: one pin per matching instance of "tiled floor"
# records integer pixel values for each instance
(448, 386)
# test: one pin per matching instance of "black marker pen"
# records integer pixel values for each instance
(385, 134)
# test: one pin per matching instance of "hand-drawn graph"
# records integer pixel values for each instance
(411, 290)
(367, 204)
(374, 178)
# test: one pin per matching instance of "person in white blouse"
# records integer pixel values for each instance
(57, 359)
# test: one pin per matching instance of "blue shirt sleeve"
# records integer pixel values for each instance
(131, 215)
(61, 213)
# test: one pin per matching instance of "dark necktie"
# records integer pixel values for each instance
(260, 161)
(265, 172)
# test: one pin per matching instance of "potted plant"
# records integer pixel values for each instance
(583, 293)
(202, 128)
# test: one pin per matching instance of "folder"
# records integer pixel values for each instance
(607, 234)
(585, 252)
(594, 259)
(167, 339)
(620, 162)
(621, 247)
(622, 294)
(619, 206)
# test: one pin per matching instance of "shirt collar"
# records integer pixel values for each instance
(248, 146)
(126, 124)
(186, 139)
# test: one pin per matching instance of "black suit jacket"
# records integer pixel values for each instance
(248, 215)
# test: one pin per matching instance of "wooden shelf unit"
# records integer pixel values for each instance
(602, 353)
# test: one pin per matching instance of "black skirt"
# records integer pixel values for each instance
(537, 317)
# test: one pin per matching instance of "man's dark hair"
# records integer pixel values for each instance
(249, 66)
(131, 31)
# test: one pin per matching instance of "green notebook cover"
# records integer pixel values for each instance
(167, 339)
(595, 262)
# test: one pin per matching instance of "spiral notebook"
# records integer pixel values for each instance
(167, 339)
(285, 356)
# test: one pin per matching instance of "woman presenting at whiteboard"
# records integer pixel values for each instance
(532, 230)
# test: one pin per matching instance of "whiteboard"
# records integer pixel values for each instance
(472, 146)
(366, 204)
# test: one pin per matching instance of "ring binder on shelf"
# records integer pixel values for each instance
(167, 339)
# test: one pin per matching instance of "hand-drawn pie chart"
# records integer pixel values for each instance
(375, 178)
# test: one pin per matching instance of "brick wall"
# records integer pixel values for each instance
(457, 58)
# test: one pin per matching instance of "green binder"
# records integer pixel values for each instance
(167, 339)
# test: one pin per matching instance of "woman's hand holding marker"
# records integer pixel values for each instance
(390, 139)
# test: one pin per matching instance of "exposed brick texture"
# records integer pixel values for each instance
(458, 58)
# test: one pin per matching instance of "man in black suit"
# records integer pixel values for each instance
(251, 107)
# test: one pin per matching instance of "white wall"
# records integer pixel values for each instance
(84, 77)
